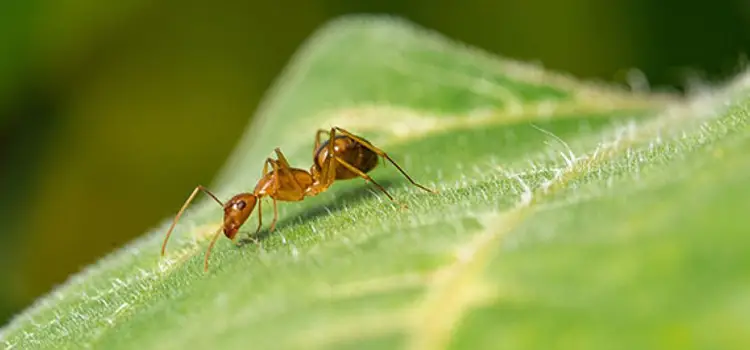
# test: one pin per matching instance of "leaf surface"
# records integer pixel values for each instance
(570, 215)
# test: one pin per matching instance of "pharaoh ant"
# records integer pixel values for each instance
(342, 156)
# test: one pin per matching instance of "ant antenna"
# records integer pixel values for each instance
(182, 210)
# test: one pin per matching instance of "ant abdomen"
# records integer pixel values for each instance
(350, 151)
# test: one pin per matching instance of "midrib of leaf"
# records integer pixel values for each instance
(442, 285)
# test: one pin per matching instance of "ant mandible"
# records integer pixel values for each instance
(343, 156)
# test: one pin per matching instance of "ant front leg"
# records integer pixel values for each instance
(381, 153)
(260, 201)
(184, 206)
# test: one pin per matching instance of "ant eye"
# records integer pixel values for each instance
(239, 205)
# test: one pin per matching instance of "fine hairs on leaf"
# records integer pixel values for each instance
(570, 215)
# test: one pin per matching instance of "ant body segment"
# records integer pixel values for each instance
(342, 156)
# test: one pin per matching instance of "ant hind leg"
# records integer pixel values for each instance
(381, 153)
(366, 177)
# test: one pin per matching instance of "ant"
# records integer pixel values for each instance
(343, 156)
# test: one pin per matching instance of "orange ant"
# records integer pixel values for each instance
(341, 157)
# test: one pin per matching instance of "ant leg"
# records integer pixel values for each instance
(284, 166)
(275, 209)
(317, 141)
(275, 175)
(260, 201)
(260, 215)
(208, 251)
(381, 153)
(364, 176)
(184, 206)
(278, 166)
(275, 216)
(281, 158)
(325, 175)
(328, 173)
(265, 167)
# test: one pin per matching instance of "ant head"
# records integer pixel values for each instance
(236, 211)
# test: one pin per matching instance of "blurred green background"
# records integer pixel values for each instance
(111, 112)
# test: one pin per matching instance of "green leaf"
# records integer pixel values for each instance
(570, 215)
